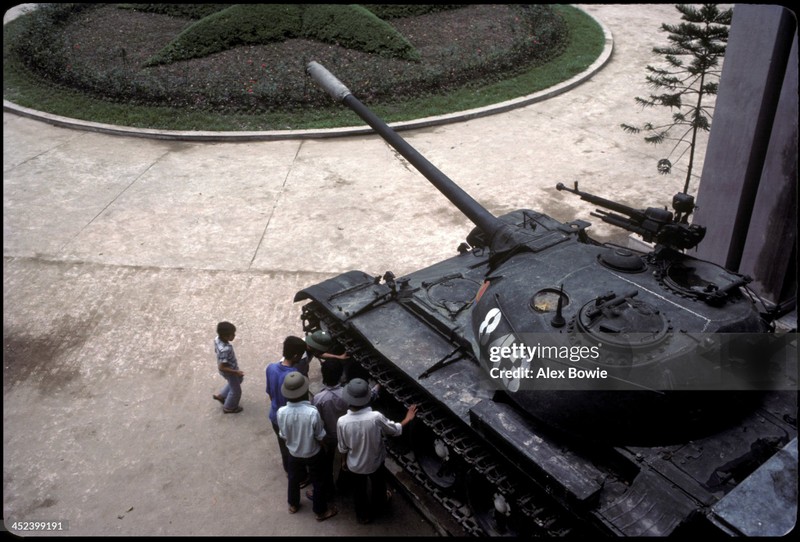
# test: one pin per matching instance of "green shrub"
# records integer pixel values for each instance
(240, 24)
(355, 27)
(350, 26)
(40, 44)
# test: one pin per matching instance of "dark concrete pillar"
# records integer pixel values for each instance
(770, 249)
(748, 177)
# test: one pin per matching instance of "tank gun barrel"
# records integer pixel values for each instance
(479, 215)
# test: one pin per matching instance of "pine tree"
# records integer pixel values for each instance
(691, 76)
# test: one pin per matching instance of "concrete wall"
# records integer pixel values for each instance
(748, 193)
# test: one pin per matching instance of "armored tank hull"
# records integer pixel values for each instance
(566, 386)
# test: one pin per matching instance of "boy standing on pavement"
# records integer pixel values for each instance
(360, 432)
(228, 367)
(301, 426)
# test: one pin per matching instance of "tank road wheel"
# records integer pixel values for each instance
(490, 508)
(439, 463)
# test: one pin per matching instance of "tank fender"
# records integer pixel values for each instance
(346, 282)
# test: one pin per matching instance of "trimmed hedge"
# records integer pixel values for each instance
(240, 24)
(356, 27)
(351, 26)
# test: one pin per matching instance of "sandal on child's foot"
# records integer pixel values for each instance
(232, 410)
(293, 509)
(328, 514)
(219, 398)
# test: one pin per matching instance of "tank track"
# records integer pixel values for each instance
(459, 510)
(546, 517)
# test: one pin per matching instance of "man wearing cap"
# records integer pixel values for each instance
(301, 427)
(360, 433)
(318, 345)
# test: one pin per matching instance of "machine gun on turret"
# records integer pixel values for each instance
(654, 225)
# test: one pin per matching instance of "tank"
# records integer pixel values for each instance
(571, 387)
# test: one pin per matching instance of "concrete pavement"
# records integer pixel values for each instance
(121, 253)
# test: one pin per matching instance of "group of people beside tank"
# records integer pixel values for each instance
(310, 430)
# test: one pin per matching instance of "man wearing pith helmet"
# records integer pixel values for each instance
(300, 424)
(360, 433)
(318, 345)
(319, 341)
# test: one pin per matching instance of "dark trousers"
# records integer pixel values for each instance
(369, 494)
(328, 466)
(299, 468)
(282, 447)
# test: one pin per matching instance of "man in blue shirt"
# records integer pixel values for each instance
(293, 350)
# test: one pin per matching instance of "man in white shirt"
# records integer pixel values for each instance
(360, 433)
(300, 424)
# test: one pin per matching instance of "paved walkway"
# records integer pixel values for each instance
(121, 253)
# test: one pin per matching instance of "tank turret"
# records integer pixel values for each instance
(548, 366)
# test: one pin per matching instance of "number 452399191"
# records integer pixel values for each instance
(38, 526)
